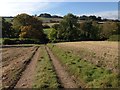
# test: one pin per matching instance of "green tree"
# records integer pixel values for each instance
(95, 31)
(69, 28)
(108, 29)
(86, 30)
(56, 26)
(90, 30)
(53, 35)
(28, 26)
(7, 30)
(117, 29)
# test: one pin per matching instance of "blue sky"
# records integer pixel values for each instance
(63, 8)
(103, 9)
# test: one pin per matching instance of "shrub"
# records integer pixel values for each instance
(9, 41)
(46, 26)
(114, 38)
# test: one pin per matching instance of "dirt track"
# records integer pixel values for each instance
(11, 72)
(26, 80)
(65, 79)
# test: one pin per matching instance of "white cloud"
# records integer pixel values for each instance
(14, 8)
(105, 14)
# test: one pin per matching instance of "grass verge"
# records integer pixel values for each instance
(90, 74)
(45, 75)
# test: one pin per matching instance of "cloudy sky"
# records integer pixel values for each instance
(101, 8)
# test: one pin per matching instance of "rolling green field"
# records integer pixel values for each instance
(53, 19)
(8, 19)
(40, 18)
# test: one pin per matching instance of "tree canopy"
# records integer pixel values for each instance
(28, 26)
(68, 28)
(71, 29)
(7, 30)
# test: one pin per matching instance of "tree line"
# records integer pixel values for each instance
(69, 29)
(24, 26)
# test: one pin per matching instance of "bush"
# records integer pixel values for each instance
(114, 38)
(9, 41)
(46, 26)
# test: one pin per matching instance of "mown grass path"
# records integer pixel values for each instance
(65, 79)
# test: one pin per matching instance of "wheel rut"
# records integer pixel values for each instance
(27, 78)
(65, 80)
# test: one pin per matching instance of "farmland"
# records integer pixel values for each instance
(68, 65)
(14, 61)
(92, 63)
(47, 45)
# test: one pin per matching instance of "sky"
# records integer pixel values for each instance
(104, 9)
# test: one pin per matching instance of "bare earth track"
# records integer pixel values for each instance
(26, 78)
(28, 75)
(11, 72)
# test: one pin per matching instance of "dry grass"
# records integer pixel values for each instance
(101, 53)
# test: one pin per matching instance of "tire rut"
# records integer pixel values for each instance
(26, 80)
(65, 80)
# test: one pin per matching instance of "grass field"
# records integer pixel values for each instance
(48, 19)
(101, 53)
(8, 19)
(80, 59)
(50, 24)
(40, 18)
(47, 31)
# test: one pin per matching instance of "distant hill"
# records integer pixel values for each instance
(48, 18)
(46, 15)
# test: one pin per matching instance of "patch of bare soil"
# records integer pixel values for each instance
(64, 77)
(27, 78)
(12, 71)
(13, 53)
